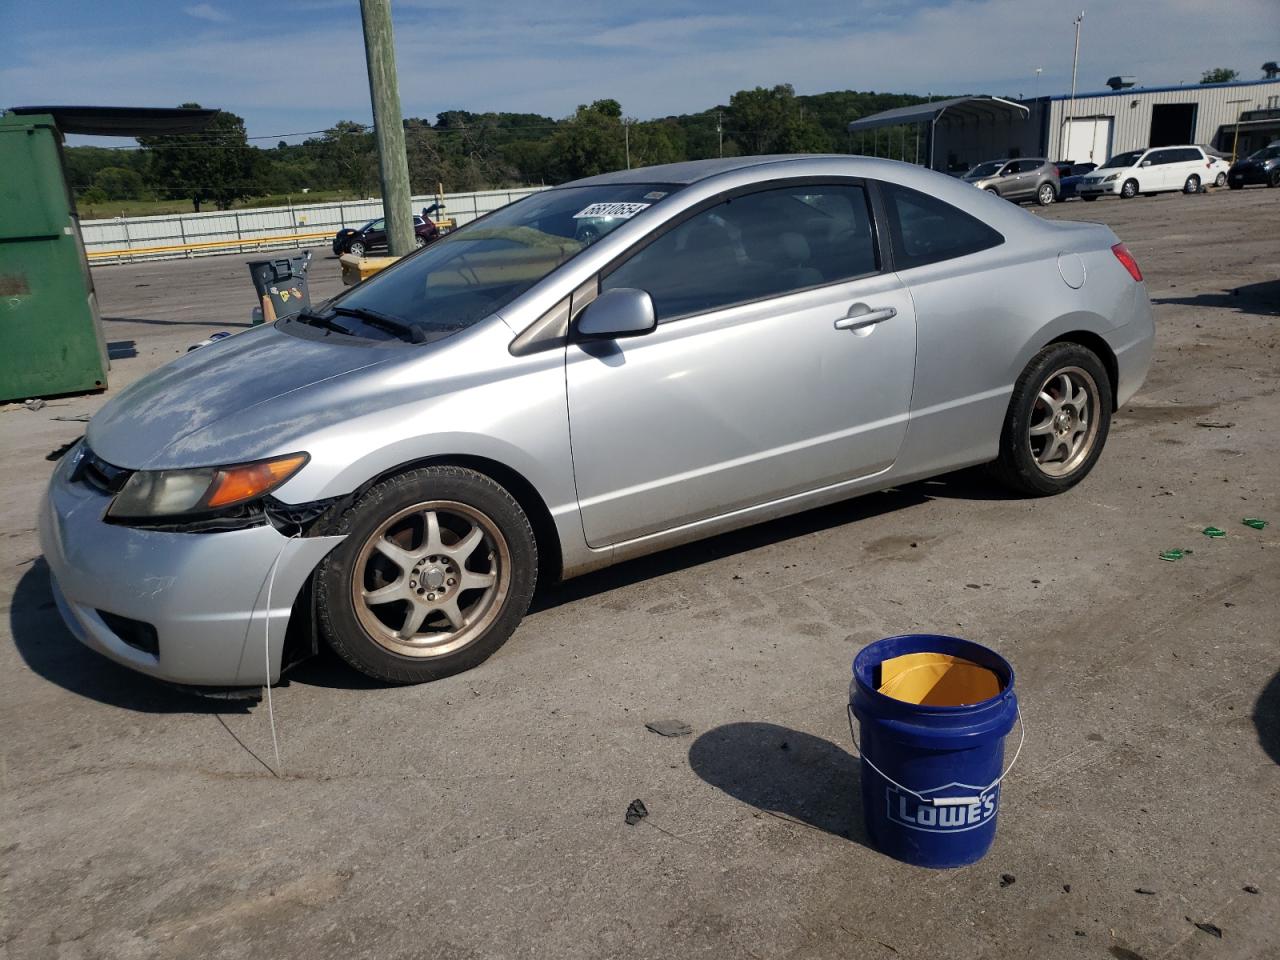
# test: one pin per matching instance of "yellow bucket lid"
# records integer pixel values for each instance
(937, 680)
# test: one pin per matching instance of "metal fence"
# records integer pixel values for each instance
(175, 236)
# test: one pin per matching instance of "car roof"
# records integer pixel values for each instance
(691, 171)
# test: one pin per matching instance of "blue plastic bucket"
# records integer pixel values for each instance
(931, 774)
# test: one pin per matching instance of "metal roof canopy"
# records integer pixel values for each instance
(962, 108)
(124, 121)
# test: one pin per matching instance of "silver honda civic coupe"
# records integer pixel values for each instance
(598, 371)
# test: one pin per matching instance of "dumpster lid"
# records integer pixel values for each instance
(124, 121)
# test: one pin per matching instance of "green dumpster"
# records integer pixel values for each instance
(51, 338)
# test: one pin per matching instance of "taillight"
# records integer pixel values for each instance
(1126, 259)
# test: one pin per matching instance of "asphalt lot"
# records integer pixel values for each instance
(482, 816)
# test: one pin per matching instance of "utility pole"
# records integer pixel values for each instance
(388, 125)
(1071, 110)
(1038, 71)
(626, 137)
(720, 130)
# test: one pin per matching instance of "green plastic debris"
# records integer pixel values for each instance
(1254, 522)
(1214, 532)
(1171, 555)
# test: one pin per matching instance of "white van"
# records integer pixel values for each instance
(1149, 171)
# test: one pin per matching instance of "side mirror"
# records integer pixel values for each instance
(1146, 163)
(620, 312)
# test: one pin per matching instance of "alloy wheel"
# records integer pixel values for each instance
(1064, 421)
(431, 579)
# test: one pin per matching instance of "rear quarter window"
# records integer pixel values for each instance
(927, 230)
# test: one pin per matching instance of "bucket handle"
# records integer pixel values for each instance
(944, 801)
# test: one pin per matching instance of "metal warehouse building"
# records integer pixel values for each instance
(1091, 127)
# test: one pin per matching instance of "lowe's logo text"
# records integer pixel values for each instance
(908, 810)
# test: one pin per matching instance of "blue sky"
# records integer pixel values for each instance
(290, 67)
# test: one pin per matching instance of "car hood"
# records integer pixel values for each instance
(146, 425)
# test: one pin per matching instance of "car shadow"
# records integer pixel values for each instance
(1262, 299)
(1266, 718)
(963, 485)
(784, 772)
(49, 649)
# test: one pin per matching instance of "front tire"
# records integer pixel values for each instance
(1129, 189)
(356, 247)
(1058, 420)
(1192, 185)
(1088, 197)
(437, 570)
(1045, 196)
(1274, 179)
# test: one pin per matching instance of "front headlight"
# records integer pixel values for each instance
(1114, 176)
(168, 493)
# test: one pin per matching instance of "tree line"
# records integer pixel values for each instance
(463, 151)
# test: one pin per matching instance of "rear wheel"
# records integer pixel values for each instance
(1088, 197)
(1058, 420)
(437, 570)
(1236, 186)
(1045, 195)
(1220, 181)
(1274, 179)
(1192, 185)
(419, 242)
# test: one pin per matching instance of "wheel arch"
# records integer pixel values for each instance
(1099, 345)
(550, 550)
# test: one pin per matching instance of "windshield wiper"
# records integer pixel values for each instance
(405, 331)
(320, 320)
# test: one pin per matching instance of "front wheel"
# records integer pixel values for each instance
(1046, 195)
(1274, 179)
(1057, 423)
(1129, 189)
(436, 571)
(993, 190)
(419, 242)
(1192, 185)
(1088, 197)
(356, 248)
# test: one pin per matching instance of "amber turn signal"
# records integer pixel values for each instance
(233, 484)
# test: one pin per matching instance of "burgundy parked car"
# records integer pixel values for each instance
(373, 236)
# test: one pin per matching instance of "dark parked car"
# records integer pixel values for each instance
(1260, 167)
(1071, 174)
(373, 236)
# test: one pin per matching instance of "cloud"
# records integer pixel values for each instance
(206, 11)
(657, 57)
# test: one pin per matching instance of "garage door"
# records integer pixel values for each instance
(1088, 140)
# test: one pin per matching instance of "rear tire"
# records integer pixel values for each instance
(1220, 181)
(1235, 186)
(1274, 179)
(1045, 195)
(1088, 197)
(437, 570)
(1057, 423)
(1129, 190)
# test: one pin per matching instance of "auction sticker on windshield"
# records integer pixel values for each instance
(600, 210)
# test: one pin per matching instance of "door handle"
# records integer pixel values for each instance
(860, 320)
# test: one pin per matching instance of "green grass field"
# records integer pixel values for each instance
(151, 208)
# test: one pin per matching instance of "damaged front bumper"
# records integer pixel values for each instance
(190, 608)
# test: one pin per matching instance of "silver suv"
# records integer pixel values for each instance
(1030, 178)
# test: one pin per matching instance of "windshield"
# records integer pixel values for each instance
(1123, 159)
(472, 272)
(988, 169)
(1266, 153)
